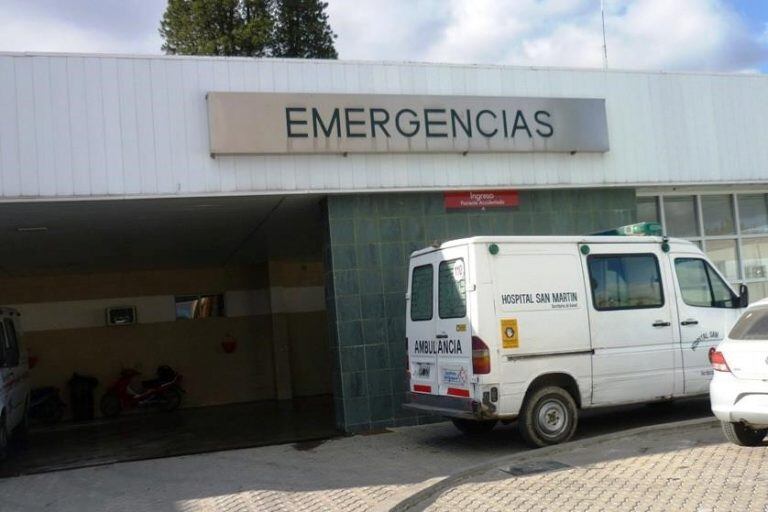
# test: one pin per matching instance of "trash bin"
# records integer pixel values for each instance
(81, 400)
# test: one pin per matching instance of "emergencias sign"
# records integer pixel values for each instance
(277, 123)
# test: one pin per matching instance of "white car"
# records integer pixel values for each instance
(739, 387)
(14, 378)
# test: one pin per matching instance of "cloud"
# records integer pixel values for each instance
(103, 26)
(641, 34)
(705, 35)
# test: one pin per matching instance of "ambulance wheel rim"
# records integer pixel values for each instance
(552, 418)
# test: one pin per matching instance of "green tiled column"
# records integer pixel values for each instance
(368, 242)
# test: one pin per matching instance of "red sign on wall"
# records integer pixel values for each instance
(481, 199)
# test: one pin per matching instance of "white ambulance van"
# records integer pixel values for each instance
(14, 378)
(536, 328)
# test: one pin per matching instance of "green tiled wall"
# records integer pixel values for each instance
(368, 242)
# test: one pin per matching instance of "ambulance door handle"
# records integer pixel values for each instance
(441, 335)
(689, 321)
(661, 323)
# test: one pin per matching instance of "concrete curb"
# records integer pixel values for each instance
(428, 491)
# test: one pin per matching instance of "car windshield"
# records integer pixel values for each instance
(753, 325)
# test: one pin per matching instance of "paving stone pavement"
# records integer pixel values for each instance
(684, 469)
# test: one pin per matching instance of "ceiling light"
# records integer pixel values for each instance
(32, 228)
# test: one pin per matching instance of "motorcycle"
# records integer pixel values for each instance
(163, 392)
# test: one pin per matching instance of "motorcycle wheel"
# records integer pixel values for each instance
(110, 405)
(172, 398)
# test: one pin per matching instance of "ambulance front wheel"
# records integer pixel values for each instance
(548, 417)
(474, 427)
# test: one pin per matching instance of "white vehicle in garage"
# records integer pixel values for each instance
(14, 378)
(535, 328)
(739, 388)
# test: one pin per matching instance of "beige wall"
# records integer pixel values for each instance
(192, 347)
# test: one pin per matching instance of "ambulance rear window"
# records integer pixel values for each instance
(451, 293)
(422, 281)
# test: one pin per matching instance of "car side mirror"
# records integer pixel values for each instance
(743, 296)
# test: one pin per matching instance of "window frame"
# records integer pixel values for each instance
(220, 308)
(593, 257)
(702, 240)
(431, 294)
(464, 278)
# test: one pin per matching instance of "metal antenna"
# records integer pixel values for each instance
(605, 45)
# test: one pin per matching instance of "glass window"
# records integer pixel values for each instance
(718, 215)
(723, 255)
(625, 281)
(757, 291)
(422, 281)
(680, 216)
(694, 284)
(701, 286)
(755, 256)
(647, 209)
(11, 346)
(753, 325)
(199, 306)
(451, 292)
(753, 213)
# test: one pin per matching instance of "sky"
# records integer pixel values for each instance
(670, 35)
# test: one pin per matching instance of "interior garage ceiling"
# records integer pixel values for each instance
(131, 234)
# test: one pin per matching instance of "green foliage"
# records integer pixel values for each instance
(253, 28)
(303, 31)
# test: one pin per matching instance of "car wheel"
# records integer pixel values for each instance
(3, 439)
(549, 416)
(473, 427)
(21, 431)
(742, 435)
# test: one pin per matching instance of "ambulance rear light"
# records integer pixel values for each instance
(481, 357)
(717, 360)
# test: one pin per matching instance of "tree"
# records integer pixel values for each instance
(252, 28)
(302, 30)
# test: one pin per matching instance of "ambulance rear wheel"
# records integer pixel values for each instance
(549, 416)
(474, 427)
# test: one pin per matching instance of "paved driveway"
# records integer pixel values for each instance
(689, 468)
(353, 473)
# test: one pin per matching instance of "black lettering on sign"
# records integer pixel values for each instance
(436, 347)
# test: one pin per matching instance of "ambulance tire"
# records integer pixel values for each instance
(549, 416)
(473, 427)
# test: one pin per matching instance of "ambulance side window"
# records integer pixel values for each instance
(422, 284)
(700, 285)
(451, 289)
(625, 281)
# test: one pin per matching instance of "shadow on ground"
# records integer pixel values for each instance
(354, 473)
(153, 434)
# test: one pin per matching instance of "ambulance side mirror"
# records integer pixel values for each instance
(743, 296)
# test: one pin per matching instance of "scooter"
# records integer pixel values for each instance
(164, 392)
